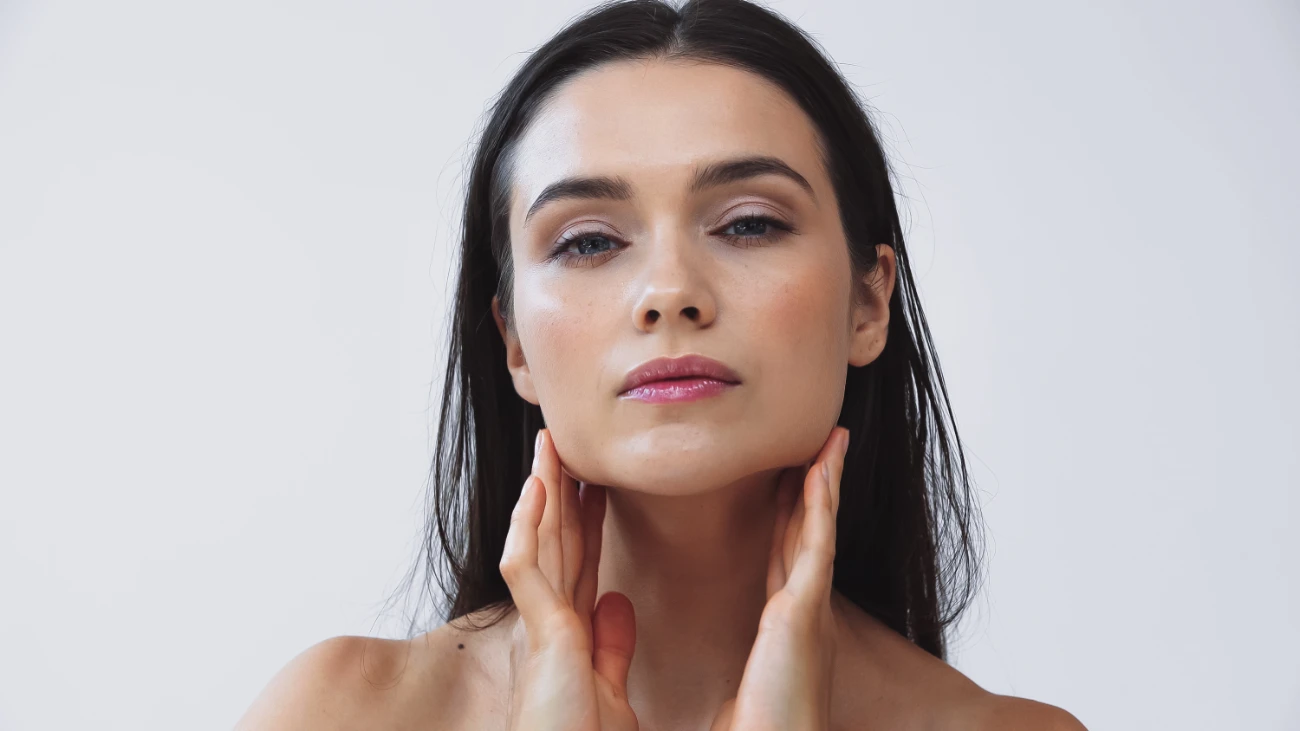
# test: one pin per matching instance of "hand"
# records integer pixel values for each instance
(569, 659)
(786, 685)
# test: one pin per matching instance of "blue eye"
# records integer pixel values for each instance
(754, 230)
(770, 229)
(582, 240)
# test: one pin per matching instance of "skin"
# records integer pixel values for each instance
(686, 539)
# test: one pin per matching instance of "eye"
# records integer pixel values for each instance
(590, 249)
(755, 229)
(594, 247)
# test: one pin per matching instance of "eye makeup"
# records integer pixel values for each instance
(772, 229)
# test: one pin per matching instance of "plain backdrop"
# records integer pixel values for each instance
(225, 244)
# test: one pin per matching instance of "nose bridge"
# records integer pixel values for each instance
(674, 288)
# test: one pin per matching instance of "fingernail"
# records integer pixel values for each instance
(844, 443)
(826, 472)
(537, 449)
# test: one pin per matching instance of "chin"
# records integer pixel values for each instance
(676, 474)
(679, 458)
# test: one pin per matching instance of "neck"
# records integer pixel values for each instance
(695, 569)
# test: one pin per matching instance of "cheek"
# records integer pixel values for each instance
(566, 335)
(561, 330)
(800, 336)
(800, 318)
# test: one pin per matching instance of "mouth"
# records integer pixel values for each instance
(685, 378)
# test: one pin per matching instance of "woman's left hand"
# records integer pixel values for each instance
(786, 685)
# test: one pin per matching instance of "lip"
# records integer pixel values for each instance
(664, 371)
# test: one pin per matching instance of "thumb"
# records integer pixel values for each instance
(722, 721)
(613, 626)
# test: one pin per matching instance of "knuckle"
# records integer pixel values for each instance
(510, 567)
(563, 627)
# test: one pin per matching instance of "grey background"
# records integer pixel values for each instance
(224, 251)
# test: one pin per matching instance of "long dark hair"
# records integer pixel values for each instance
(907, 546)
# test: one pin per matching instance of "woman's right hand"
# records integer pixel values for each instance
(569, 659)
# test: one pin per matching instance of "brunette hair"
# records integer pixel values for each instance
(907, 548)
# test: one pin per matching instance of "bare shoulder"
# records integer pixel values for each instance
(963, 704)
(889, 682)
(334, 684)
(352, 682)
(1021, 714)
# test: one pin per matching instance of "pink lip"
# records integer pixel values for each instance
(687, 378)
(683, 389)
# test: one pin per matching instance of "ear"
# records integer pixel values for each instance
(871, 309)
(519, 372)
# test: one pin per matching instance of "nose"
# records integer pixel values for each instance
(675, 290)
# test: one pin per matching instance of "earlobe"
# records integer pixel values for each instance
(515, 361)
(871, 314)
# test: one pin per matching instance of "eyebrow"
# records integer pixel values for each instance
(711, 175)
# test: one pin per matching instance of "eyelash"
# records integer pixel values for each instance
(776, 229)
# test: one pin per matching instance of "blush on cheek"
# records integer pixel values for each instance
(566, 343)
(804, 315)
(803, 331)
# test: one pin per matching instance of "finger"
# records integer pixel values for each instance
(529, 587)
(722, 721)
(831, 453)
(592, 498)
(571, 536)
(837, 469)
(814, 565)
(814, 545)
(550, 556)
(795, 528)
(614, 629)
(787, 491)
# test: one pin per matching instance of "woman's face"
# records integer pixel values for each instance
(650, 265)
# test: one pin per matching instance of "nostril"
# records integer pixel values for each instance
(692, 312)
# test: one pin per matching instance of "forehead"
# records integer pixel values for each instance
(653, 121)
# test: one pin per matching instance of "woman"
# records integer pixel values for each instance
(744, 507)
